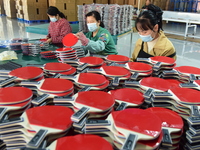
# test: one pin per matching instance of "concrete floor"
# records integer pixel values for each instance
(188, 52)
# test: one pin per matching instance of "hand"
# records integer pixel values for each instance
(49, 41)
(84, 40)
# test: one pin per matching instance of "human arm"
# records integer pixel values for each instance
(64, 28)
(94, 46)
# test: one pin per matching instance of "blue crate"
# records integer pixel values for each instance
(20, 19)
(73, 22)
(35, 21)
(1, 15)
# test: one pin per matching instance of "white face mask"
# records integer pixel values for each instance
(53, 19)
(146, 38)
(92, 27)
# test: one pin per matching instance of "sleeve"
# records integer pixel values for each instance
(169, 50)
(49, 28)
(65, 28)
(99, 45)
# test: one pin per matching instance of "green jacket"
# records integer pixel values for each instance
(101, 44)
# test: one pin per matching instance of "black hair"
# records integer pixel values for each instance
(150, 17)
(96, 15)
(53, 11)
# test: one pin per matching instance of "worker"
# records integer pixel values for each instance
(153, 41)
(58, 27)
(98, 40)
(147, 3)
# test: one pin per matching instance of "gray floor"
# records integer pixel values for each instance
(188, 52)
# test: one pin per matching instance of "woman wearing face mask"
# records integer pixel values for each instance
(58, 27)
(152, 40)
(98, 40)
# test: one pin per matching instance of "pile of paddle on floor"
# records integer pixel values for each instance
(100, 103)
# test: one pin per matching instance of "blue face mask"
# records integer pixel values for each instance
(92, 27)
(146, 38)
(53, 19)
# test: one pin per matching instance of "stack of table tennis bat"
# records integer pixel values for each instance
(67, 54)
(36, 126)
(15, 103)
(19, 40)
(192, 134)
(48, 55)
(138, 70)
(30, 49)
(183, 73)
(53, 68)
(84, 141)
(130, 133)
(87, 104)
(159, 63)
(180, 100)
(22, 73)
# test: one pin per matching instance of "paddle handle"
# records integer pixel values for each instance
(135, 75)
(63, 99)
(40, 99)
(7, 81)
(115, 81)
(10, 122)
(195, 111)
(68, 77)
(38, 138)
(122, 106)
(94, 70)
(81, 123)
(143, 59)
(2, 112)
(163, 94)
(167, 140)
(188, 85)
(170, 72)
(132, 83)
(31, 83)
(91, 123)
(27, 148)
(79, 114)
(36, 65)
(130, 142)
(83, 66)
(157, 65)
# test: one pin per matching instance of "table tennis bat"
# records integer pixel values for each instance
(69, 40)
(181, 96)
(23, 73)
(43, 97)
(87, 102)
(51, 85)
(194, 85)
(56, 121)
(115, 58)
(158, 60)
(171, 122)
(148, 129)
(90, 79)
(54, 66)
(88, 142)
(127, 97)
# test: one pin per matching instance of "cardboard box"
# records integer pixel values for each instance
(119, 2)
(2, 11)
(84, 2)
(101, 1)
(10, 10)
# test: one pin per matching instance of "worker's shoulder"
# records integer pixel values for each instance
(103, 31)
